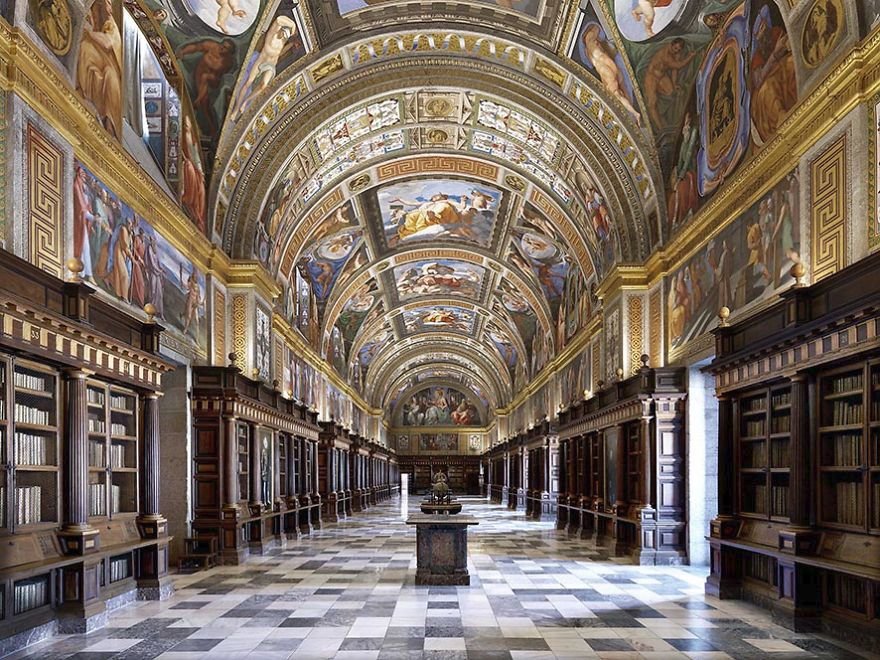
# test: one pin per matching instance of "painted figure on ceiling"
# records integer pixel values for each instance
(83, 221)
(683, 194)
(214, 60)
(645, 11)
(262, 68)
(602, 56)
(774, 88)
(99, 67)
(440, 210)
(192, 183)
(662, 82)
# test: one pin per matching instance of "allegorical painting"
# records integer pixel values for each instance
(210, 39)
(124, 256)
(440, 277)
(371, 347)
(639, 20)
(446, 442)
(824, 25)
(749, 260)
(424, 210)
(330, 247)
(772, 79)
(277, 48)
(439, 405)
(511, 305)
(529, 8)
(439, 317)
(595, 51)
(99, 63)
(263, 343)
(723, 102)
(52, 20)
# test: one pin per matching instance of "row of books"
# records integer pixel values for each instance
(29, 382)
(96, 455)
(28, 505)
(847, 592)
(119, 569)
(780, 455)
(757, 404)
(97, 425)
(779, 501)
(759, 567)
(120, 402)
(759, 501)
(29, 449)
(780, 399)
(96, 397)
(849, 503)
(846, 384)
(98, 499)
(846, 412)
(754, 428)
(754, 455)
(847, 449)
(119, 429)
(780, 424)
(2, 506)
(28, 415)
(875, 409)
(30, 595)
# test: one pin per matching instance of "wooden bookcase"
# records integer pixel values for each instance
(798, 528)
(79, 449)
(625, 449)
(249, 493)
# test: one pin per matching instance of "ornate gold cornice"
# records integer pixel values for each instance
(25, 71)
(252, 274)
(621, 278)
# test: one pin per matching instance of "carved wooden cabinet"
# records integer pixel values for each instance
(254, 464)
(622, 467)
(798, 526)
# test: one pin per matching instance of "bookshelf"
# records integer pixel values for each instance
(244, 470)
(626, 449)
(79, 446)
(32, 436)
(799, 457)
(113, 449)
(763, 456)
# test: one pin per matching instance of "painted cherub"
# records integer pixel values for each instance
(226, 10)
(645, 11)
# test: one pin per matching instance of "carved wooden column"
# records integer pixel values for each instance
(723, 581)
(151, 524)
(231, 495)
(256, 500)
(562, 496)
(77, 536)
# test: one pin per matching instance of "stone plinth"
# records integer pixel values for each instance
(441, 548)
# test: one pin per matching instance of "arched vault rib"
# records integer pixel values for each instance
(469, 350)
(609, 168)
(580, 97)
(525, 287)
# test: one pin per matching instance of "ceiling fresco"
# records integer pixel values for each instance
(454, 233)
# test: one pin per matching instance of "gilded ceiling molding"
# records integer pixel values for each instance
(602, 156)
(485, 362)
(234, 149)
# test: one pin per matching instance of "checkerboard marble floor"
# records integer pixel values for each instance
(349, 592)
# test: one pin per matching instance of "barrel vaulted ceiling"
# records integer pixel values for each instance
(438, 187)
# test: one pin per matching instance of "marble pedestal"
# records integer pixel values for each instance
(441, 548)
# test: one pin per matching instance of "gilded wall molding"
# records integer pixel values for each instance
(46, 201)
(828, 210)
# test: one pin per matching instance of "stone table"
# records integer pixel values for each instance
(441, 548)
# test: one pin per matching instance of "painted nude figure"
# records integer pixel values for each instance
(645, 11)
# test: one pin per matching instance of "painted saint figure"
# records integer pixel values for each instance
(774, 88)
(83, 222)
(192, 181)
(216, 59)
(99, 67)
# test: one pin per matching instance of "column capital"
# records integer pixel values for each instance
(153, 395)
(78, 373)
